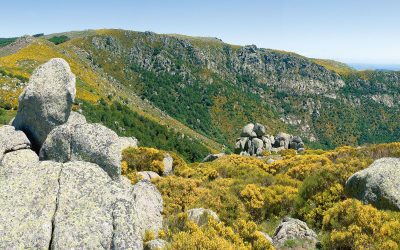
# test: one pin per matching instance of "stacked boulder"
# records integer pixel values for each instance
(254, 141)
(71, 195)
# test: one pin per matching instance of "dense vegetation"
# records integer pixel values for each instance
(59, 39)
(149, 133)
(250, 195)
(6, 41)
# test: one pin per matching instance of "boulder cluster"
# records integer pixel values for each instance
(254, 140)
(60, 177)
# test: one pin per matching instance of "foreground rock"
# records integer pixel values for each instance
(46, 102)
(12, 140)
(379, 184)
(84, 142)
(297, 230)
(149, 206)
(157, 244)
(200, 215)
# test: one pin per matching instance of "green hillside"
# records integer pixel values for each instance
(207, 89)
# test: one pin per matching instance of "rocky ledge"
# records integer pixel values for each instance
(60, 177)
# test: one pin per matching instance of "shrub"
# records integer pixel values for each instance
(352, 225)
(59, 39)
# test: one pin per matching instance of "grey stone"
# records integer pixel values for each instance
(149, 206)
(12, 140)
(148, 175)
(157, 244)
(258, 145)
(168, 162)
(282, 140)
(294, 229)
(266, 236)
(46, 102)
(247, 130)
(127, 142)
(200, 215)
(28, 195)
(378, 184)
(213, 157)
(259, 129)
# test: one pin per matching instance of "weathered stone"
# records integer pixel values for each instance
(266, 236)
(128, 142)
(28, 196)
(259, 129)
(148, 175)
(149, 206)
(378, 184)
(157, 244)
(294, 229)
(213, 157)
(168, 164)
(200, 215)
(247, 130)
(46, 102)
(282, 140)
(97, 144)
(12, 140)
(258, 145)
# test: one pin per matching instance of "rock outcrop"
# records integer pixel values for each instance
(46, 102)
(254, 141)
(200, 215)
(379, 184)
(12, 140)
(294, 229)
(78, 200)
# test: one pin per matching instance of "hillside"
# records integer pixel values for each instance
(208, 90)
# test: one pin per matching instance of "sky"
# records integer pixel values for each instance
(351, 31)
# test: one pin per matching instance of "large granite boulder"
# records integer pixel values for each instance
(73, 205)
(12, 140)
(297, 230)
(46, 102)
(379, 184)
(128, 142)
(85, 142)
(200, 215)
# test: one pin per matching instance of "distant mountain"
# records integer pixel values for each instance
(207, 90)
(363, 66)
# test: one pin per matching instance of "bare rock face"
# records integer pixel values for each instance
(46, 102)
(149, 206)
(378, 184)
(12, 140)
(84, 142)
(294, 229)
(200, 215)
(79, 200)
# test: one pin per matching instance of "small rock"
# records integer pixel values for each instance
(148, 175)
(200, 215)
(157, 244)
(168, 163)
(294, 229)
(213, 157)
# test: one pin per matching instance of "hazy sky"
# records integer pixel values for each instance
(363, 31)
